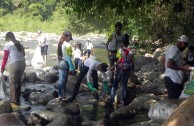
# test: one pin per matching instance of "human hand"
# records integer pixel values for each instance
(2, 70)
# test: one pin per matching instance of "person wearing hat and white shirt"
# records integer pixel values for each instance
(175, 75)
(42, 43)
(89, 47)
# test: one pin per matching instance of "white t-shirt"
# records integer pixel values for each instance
(66, 49)
(14, 55)
(77, 53)
(42, 39)
(89, 46)
(115, 42)
(92, 63)
(174, 53)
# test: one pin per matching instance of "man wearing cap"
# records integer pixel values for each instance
(90, 68)
(175, 76)
(43, 46)
(65, 63)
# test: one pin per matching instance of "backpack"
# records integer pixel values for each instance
(126, 59)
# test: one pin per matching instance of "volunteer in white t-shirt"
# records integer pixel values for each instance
(14, 54)
(174, 69)
(90, 68)
(89, 47)
(42, 42)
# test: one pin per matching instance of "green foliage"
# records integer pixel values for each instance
(146, 20)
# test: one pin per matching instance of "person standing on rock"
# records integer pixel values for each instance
(113, 44)
(14, 54)
(175, 75)
(89, 47)
(42, 43)
(65, 63)
(123, 69)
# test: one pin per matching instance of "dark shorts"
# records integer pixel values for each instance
(44, 50)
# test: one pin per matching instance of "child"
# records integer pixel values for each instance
(123, 69)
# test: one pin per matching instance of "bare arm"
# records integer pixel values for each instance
(171, 64)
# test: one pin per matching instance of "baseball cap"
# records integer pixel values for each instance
(68, 33)
(183, 38)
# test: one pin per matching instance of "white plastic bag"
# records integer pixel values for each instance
(37, 60)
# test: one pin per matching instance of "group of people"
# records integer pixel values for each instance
(120, 57)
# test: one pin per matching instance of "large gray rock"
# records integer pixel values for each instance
(5, 107)
(65, 120)
(8, 119)
(36, 98)
(162, 109)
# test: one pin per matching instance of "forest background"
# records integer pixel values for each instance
(145, 20)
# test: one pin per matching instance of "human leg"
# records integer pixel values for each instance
(174, 89)
(76, 60)
(16, 72)
(89, 52)
(124, 86)
(118, 77)
(63, 76)
(81, 75)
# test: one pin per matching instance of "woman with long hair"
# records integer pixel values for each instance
(64, 53)
(14, 54)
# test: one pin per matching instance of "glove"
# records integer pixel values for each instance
(89, 84)
(106, 88)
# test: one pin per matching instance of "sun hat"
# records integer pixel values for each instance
(183, 38)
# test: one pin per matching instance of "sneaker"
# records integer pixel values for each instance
(70, 99)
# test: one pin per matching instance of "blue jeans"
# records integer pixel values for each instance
(63, 76)
(77, 63)
(89, 52)
(124, 76)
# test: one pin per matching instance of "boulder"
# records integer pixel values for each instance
(182, 115)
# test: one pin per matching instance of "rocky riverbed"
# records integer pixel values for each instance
(148, 105)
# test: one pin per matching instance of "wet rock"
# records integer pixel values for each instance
(163, 109)
(50, 78)
(182, 115)
(36, 98)
(65, 120)
(35, 119)
(31, 77)
(148, 123)
(5, 107)
(123, 112)
(8, 119)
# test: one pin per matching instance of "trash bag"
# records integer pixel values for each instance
(37, 60)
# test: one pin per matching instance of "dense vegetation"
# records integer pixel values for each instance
(148, 20)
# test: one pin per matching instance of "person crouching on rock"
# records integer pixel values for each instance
(90, 68)
(14, 54)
